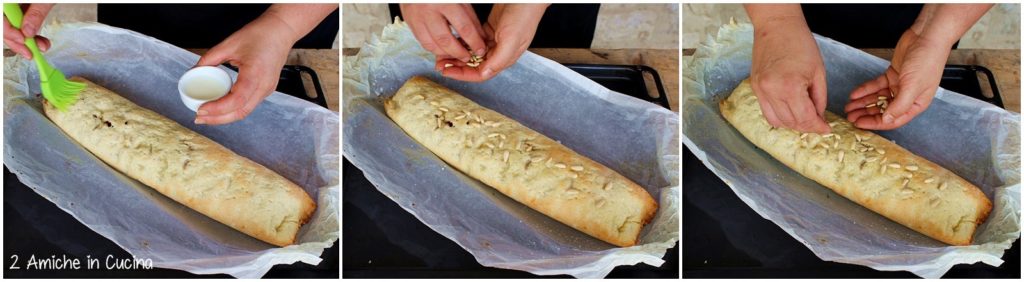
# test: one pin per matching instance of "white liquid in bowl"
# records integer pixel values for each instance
(205, 88)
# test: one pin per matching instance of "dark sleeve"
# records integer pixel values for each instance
(861, 25)
(202, 25)
(563, 25)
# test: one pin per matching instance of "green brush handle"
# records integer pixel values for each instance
(15, 16)
(13, 13)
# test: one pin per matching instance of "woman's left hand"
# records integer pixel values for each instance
(906, 89)
(259, 50)
(907, 86)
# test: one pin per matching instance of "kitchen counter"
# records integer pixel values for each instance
(665, 61)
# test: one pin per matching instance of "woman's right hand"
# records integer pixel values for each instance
(432, 25)
(31, 22)
(787, 72)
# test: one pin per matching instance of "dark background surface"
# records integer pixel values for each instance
(203, 25)
(725, 238)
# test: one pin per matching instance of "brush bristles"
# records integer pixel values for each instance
(65, 95)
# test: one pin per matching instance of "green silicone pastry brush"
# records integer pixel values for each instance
(57, 89)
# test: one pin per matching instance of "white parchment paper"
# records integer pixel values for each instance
(976, 140)
(636, 138)
(295, 138)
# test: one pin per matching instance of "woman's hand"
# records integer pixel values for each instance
(509, 30)
(907, 87)
(432, 25)
(31, 22)
(259, 50)
(787, 72)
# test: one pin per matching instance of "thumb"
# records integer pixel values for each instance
(215, 56)
(906, 92)
(502, 57)
(819, 95)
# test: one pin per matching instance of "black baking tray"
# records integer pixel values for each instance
(291, 83)
(36, 226)
(725, 238)
(969, 80)
(626, 79)
(383, 240)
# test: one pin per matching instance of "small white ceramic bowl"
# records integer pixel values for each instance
(203, 84)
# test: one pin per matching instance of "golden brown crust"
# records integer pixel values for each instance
(185, 166)
(521, 163)
(869, 170)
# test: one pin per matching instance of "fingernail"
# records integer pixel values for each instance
(464, 60)
(480, 52)
(28, 30)
(202, 112)
(200, 121)
(887, 118)
(487, 73)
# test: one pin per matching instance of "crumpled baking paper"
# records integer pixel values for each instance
(976, 140)
(295, 138)
(638, 139)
